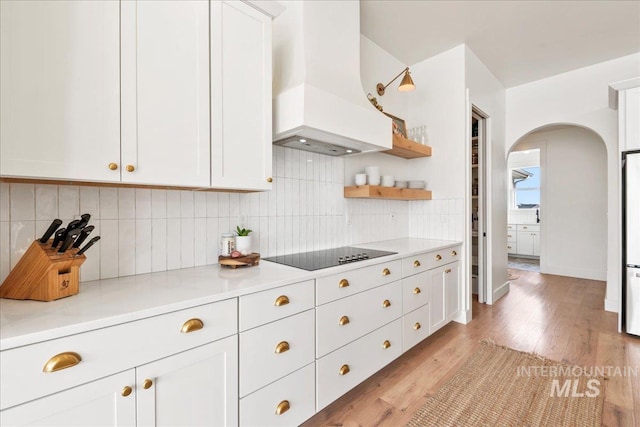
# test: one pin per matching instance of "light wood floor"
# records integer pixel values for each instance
(558, 317)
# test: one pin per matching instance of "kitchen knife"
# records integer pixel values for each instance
(81, 238)
(71, 236)
(88, 245)
(84, 220)
(59, 235)
(52, 229)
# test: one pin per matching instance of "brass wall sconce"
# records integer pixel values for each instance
(406, 84)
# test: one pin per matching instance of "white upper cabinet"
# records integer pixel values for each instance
(240, 96)
(165, 92)
(59, 89)
(631, 111)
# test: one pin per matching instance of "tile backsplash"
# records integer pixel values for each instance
(145, 230)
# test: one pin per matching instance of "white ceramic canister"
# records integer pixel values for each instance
(227, 244)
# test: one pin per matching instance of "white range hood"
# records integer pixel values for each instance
(318, 100)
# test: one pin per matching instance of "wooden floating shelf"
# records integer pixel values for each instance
(408, 149)
(379, 192)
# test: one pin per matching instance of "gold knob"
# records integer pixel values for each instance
(113, 166)
(416, 263)
(191, 325)
(417, 326)
(283, 406)
(417, 291)
(508, 247)
(508, 235)
(386, 344)
(344, 370)
(438, 257)
(343, 283)
(147, 384)
(386, 303)
(282, 347)
(386, 272)
(62, 361)
(281, 300)
(126, 391)
(271, 180)
(524, 228)
(344, 320)
(448, 270)
(130, 168)
(454, 253)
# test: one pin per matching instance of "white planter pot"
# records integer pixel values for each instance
(243, 244)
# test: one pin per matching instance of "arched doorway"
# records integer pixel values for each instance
(572, 239)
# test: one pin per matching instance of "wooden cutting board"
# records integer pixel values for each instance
(243, 261)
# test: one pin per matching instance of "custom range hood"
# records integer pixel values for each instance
(318, 101)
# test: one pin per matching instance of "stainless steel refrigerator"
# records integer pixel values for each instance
(631, 241)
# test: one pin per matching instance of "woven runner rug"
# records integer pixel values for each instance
(499, 386)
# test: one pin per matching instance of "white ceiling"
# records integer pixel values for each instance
(519, 41)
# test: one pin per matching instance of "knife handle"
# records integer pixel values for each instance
(82, 237)
(85, 218)
(52, 229)
(71, 236)
(88, 245)
(59, 235)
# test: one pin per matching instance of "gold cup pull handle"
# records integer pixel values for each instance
(191, 325)
(281, 300)
(282, 347)
(343, 283)
(147, 384)
(344, 320)
(438, 257)
(126, 391)
(417, 291)
(386, 344)
(454, 253)
(282, 407)
(416, 263)
(386, 272)
(62, 361)
(344, 370)
(130, 168)
(417, 326)
(113, 166)
(386, 303)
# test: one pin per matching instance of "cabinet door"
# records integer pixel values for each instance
(535, 238)
(165, 93)
(632, 119)
(525, 243)
(437, 298)
(59, 89)
(198, 387)
(241, 142)
(452, 289)
(98, 403)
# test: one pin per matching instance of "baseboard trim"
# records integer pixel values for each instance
(580, 273)
(500, 292)
(463, 317)
(611, 305)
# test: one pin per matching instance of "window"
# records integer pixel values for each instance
(526, 188)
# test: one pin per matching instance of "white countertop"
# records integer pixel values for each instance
(103, 303)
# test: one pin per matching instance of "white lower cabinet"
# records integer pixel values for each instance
(340, 371)
(197, 387)
(98, 403)
(415, 327)
(445, 294)
(287, 402)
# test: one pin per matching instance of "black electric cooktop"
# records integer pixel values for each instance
(317, 260)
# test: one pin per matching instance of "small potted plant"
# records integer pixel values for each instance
(243, 240)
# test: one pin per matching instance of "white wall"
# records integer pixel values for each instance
(488, 94)
(579, 97)
(574, 219)
(146, 230)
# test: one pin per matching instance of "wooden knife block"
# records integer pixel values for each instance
(43, 274)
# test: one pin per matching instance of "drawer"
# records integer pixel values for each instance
(415, 327)
(272, 351)
(415, 264)
(295, 392)
(109, 350)
(528, 227)
(343, 369)
(512, 237)
(267, 306)
(331, 288)
(442, 257)
(347, 319)
(415, 291)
